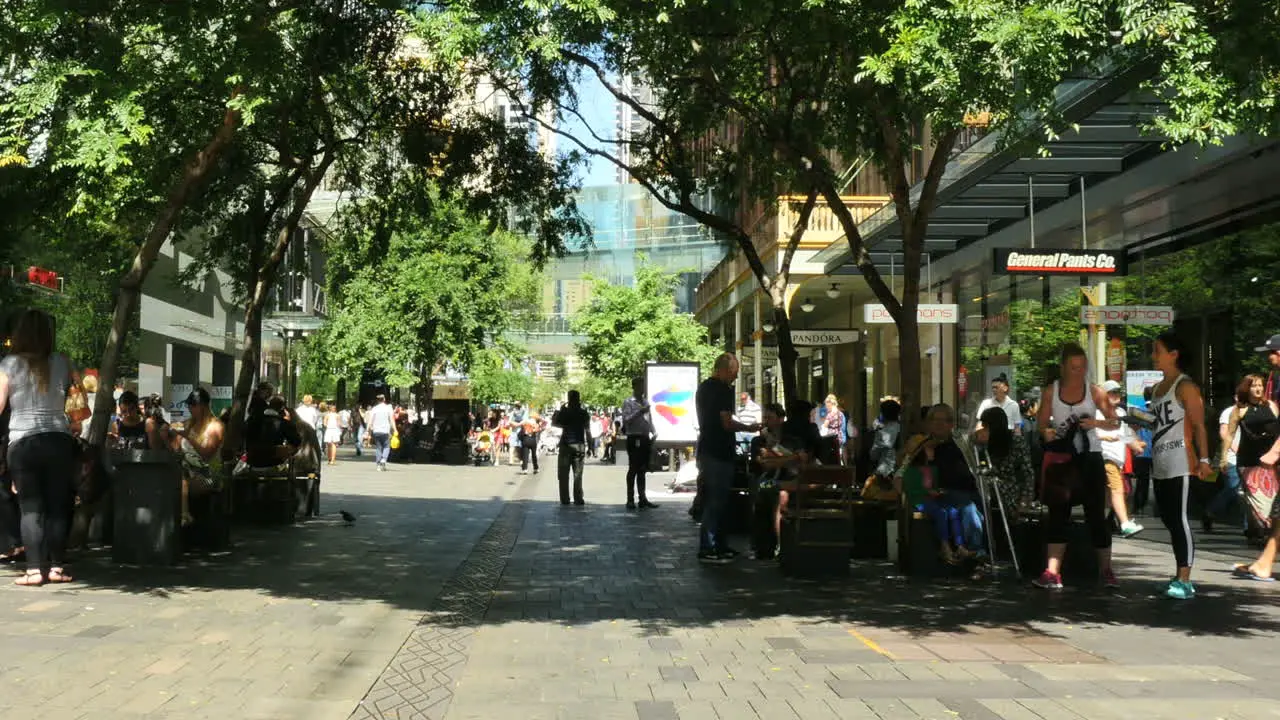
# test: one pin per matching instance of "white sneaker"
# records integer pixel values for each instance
(1130, 529)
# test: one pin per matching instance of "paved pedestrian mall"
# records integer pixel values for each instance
(466, 593)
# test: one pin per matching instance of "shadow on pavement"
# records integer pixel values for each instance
(599, 563)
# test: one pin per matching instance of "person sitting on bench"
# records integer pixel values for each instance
(1010, 457)
(788, 444)
(951, 503)
(271, 436)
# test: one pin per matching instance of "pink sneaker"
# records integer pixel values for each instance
(1109, 579)
(1048, 581)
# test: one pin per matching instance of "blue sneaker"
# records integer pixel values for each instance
(1179, 590)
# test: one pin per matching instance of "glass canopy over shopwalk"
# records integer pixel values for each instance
(999, 181)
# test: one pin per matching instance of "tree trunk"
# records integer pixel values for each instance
(909, 366)
(193, 177)
(787, 354)
(426, 397)
(260, 291)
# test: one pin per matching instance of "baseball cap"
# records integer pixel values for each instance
(1112, 386)
(199, 396)
(1272, 345)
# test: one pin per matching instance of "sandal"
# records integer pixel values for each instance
(1244, 571)
(32, 578)
(58, 575)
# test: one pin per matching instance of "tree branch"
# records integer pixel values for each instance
(933, 178)
(797, 233)
(895, 167)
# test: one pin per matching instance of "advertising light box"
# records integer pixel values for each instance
(670, 388)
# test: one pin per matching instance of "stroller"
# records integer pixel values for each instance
(549, 442)
(482, 450)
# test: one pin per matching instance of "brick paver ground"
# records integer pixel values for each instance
(471, 593)
(295, 622)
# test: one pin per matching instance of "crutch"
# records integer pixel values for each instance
(985, 459)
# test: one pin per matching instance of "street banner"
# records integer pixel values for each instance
(670, 389)
(1115, 360)
(1126, 315)
(178, 402)
(219, 398)
(1031, 261)
(1135, 382)
(926, 314)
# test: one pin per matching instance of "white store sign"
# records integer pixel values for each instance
(823, 337)
(1126, 315)
(926, 314)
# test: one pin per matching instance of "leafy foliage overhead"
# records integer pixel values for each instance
(626, 327)
(441, 291)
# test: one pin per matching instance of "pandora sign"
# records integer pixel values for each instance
(1059, 262)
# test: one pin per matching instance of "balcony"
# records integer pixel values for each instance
(774, 230)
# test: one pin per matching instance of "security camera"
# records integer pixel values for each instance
(931, 351)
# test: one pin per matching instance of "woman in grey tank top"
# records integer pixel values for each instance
(43, 454)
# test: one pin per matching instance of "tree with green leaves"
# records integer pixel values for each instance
(496, 377)
(437, 294)
(757, 100)
(628, 326)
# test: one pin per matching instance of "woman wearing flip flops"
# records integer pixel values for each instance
(43, 455)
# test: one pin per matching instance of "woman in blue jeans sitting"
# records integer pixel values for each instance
(952, 503)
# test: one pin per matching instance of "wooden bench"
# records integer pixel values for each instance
(817, 525)
(275, 497)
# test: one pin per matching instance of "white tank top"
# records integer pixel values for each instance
(1169, 439)
(1062, 413)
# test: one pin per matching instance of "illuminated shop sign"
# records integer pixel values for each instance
(1009, 261)
(1126, 315)
(926, 314)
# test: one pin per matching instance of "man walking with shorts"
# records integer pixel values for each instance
(717, 455)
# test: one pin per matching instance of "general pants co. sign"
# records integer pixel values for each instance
(1058, 262)
(1126, 315)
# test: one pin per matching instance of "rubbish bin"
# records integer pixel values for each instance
(147, 507)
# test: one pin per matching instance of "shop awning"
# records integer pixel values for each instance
(992, 184)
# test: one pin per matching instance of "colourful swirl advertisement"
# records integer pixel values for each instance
(671, 388)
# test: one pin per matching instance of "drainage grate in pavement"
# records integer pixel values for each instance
(419, 681)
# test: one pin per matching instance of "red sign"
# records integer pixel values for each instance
(962, 382)
(46, 279)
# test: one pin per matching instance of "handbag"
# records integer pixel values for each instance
(395, 441)
(1060, 478)
(77, 405)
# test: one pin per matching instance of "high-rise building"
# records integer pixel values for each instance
(629, 123)
(628, 225)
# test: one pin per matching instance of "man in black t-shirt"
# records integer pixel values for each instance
(575, 425)
(717, 454)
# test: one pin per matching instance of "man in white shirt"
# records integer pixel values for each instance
(1000, 398)
(1114, 445)
(1229, 495)
(381, 424)
(638, 428)
(749, 413)
(307, 412)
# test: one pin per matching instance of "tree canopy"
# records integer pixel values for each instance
(627, 326)
(442, 290)
(751, 101)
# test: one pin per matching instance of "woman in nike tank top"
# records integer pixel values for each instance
(1073, 472)
(1179, 434)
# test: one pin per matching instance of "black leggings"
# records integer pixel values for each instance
(1092, 494)
(43, 468)
(1171, 497)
